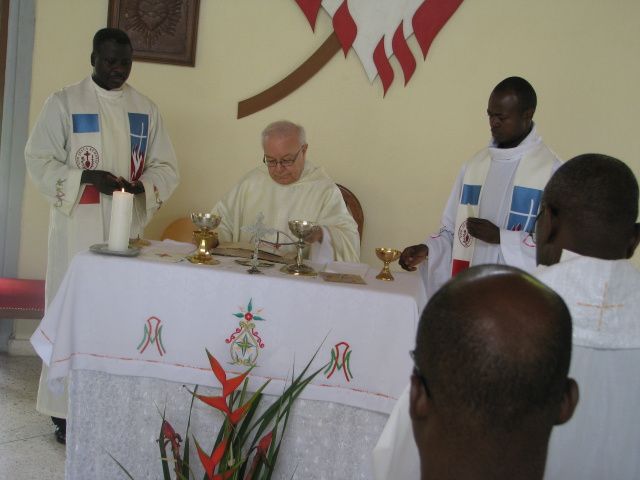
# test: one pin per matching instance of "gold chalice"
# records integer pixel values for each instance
(387, 255)
(204, 237)
(301, 229)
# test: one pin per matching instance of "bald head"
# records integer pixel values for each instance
(589, 206)
(494, 346)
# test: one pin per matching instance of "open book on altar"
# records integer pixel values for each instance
(245, 250)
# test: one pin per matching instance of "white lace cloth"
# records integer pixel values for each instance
(111, 414)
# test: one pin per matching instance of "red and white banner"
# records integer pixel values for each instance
(378, 29)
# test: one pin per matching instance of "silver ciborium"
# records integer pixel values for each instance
(204, 237)
(301, 229)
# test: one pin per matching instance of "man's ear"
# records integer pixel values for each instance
(633, 242)
(569, 401)
(93, 59)
(528, 114)
(418, 400)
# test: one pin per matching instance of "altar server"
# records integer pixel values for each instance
(288, 187)
(494, 202)
(91, 138)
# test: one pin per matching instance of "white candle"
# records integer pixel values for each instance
(120, 225)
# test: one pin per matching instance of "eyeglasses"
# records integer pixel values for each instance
(285, 162)
(418, 373)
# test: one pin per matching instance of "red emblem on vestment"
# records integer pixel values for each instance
(87, 158)
(463, 235)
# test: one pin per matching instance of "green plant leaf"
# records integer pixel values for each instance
(126, 472)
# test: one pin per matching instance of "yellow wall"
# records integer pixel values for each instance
(399, 154)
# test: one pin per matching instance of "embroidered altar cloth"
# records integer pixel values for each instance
(145, 318)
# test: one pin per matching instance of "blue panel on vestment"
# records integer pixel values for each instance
(525, 203)
(470, 194)
(85, 122)
(139, 129)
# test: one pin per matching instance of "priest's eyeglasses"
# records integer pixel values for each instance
(285, 162)
(418, 373)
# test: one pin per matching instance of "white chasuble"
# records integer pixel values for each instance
(84, 127)
(314, 197)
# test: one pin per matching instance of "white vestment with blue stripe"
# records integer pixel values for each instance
(498, 198)
(86, 127)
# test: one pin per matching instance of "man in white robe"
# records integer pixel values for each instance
(586, 230)
(90, 139)
(288, 187)
(493, 204)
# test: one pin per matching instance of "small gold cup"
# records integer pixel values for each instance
(387, 255)
(205, 238)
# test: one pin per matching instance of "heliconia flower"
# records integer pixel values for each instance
(235, 416)
(263, 444)
(261, 454)
(211, 462)
(170, 434)
(220, 403)
(230, 385)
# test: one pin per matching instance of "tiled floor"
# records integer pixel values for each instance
(28, 449)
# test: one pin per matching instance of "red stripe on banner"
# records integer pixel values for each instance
(458, 266)
(90, 195)
(403, 53)
(382, 64)
(310, 9)
(430, 18)
(345, 27)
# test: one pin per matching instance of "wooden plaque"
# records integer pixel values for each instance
(162, 31)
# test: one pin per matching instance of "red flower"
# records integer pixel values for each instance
(248, 316)
(220, 403)
(211, 462)
(261, 454)
(230, 385)
(170, 434)
(263, 444)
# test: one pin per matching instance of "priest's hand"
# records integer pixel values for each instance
(104, 181)
(483, 230)
(134, 187)
(315, 235)
(413, 256)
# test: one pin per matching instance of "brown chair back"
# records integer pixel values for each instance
(180, 230)
(354, 207)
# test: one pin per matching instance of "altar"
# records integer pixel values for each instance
(130, 333)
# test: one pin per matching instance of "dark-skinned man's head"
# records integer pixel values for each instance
(111, 58)
(589, 206)
(492, 355)
(511, 107)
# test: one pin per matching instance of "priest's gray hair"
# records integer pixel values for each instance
(284, 128)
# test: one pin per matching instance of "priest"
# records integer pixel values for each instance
(91, 138)
(288, 187)
(493, 204)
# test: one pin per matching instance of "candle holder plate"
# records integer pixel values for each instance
(103, 248)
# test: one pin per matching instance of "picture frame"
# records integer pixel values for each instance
(161, 31)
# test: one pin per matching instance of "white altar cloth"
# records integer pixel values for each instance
(135, 317)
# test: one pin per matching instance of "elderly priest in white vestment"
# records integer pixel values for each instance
(288, 187)
(586, 232)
